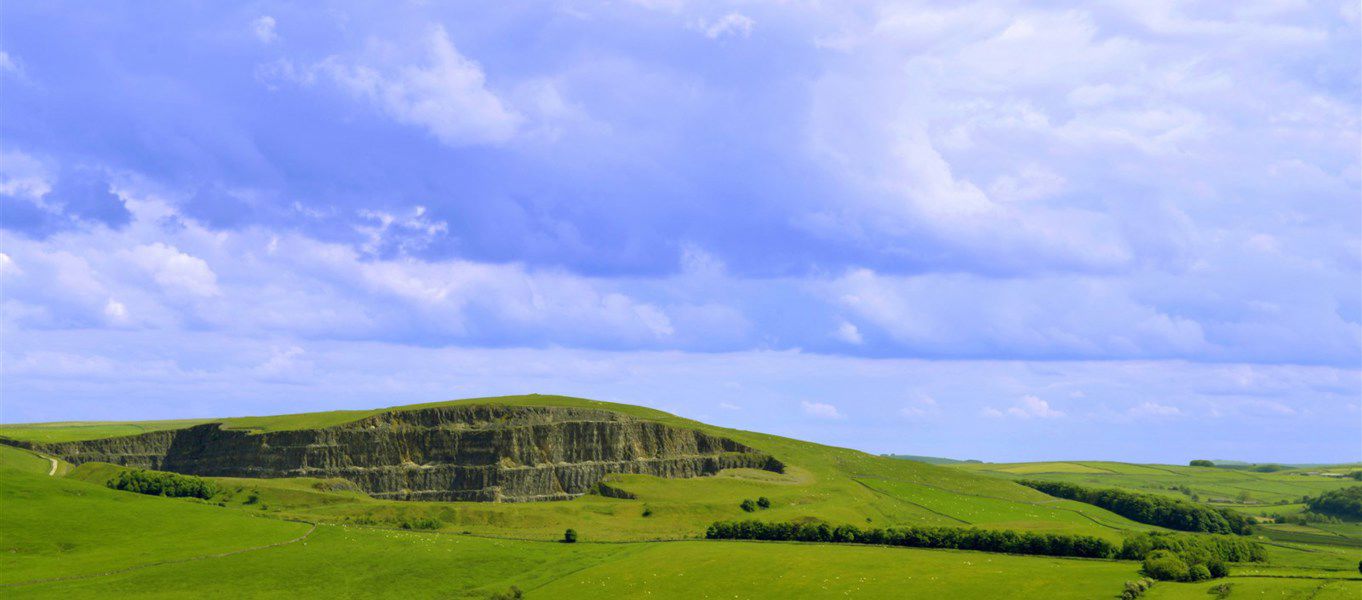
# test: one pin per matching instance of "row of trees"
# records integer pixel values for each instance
(958, 538)
(1182, 557)
(1345, 503)
(161, 483)
(1148, 508)
(1198, 548)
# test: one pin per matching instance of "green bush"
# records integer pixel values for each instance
(764, 502)
(1135, 589)
(1198, 573)
(748, 505)
(161, 483)
(570, 536)
(1164, 565)
(419, 523)
(1221, 591)
(513, 593)
(1202, 463)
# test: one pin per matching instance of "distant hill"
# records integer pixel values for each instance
(931, 460)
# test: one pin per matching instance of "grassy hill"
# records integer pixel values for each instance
(258, 535)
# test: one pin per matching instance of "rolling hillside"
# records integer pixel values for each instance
(637, 531)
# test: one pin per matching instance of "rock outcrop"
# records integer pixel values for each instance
(470, 452)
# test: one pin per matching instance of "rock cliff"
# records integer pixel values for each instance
(469, 452)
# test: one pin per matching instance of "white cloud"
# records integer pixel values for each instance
(848, 333)
(263, 28)
(175, 270)
(731, 24)
(24, 176)
(408, 233)
(728, 406)
(7, 64)
(1154, 409)
(1027, 407)
(285, 364)
(959, 314)
(921, 405)
(446, 93)
(820, 410)
(116, 312)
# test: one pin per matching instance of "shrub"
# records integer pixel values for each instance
(1164, 565)
(513, 593)
(161, 483)
(1202, 463)
(570, 536)
(764, 502)
(1218, 569)
(1198, 573)
(419, 523)
(647, 511)
(748, 505)
(1147, 508)
(1135, 589)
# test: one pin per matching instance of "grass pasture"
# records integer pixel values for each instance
(246, 542)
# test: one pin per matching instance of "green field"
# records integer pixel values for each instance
(68, 535)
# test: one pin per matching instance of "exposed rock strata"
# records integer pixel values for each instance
(481, 452)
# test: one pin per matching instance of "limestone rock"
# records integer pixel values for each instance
(469, 452)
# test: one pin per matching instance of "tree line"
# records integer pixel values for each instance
(1182, 557)
(1344, 502)
(1172, 513)
(161, 483)
(1166, 556)
(958, 538)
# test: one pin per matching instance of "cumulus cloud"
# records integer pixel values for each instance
(1027, 407)
(1154, 409)
(386, 233)
(175, 270)
(263, 28)
(7, 64)
(820, 410)
(921, 405)
(732, 24)
(446, 93)
(849, 333)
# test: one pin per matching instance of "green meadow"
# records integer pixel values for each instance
(68, 535)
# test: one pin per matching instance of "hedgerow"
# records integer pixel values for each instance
(985, 540)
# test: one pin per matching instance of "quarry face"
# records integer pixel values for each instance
(492, 453)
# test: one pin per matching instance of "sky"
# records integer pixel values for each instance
(999, 230)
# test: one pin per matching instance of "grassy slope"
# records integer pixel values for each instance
(834, 484)
(89, 430)
(1323, 550)
(53, 526)
(1211, 484)
(740, 570)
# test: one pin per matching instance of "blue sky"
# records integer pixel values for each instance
(994, 230)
